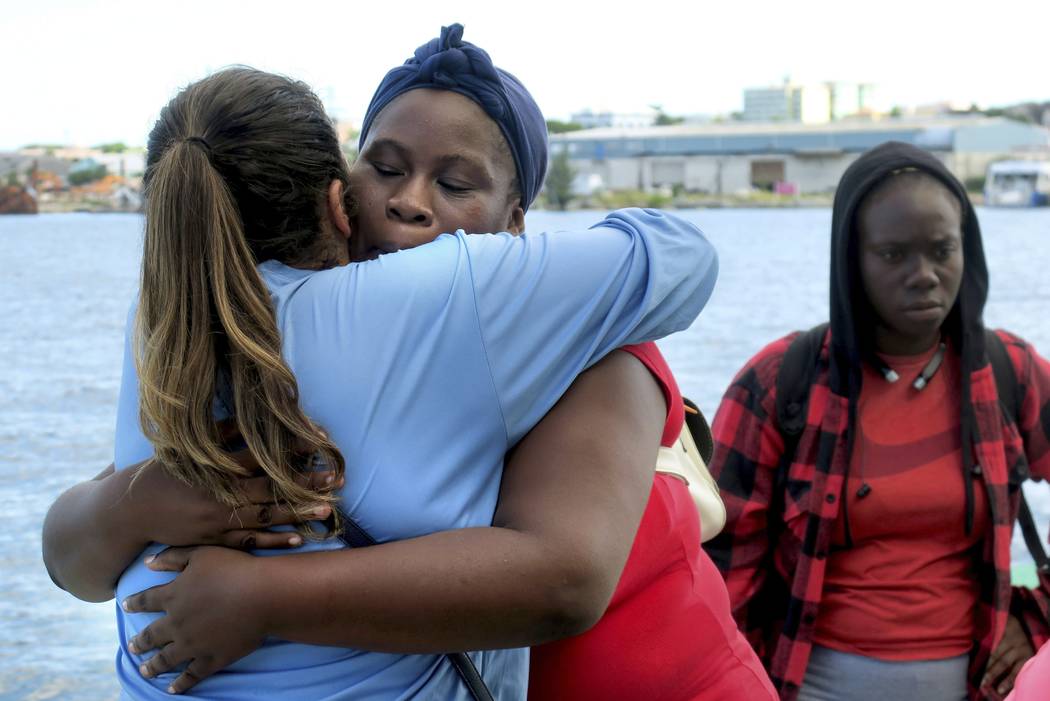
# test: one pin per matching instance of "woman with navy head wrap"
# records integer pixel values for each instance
(465, 136)
(449, 63)
(452, 142)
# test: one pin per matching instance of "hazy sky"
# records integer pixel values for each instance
(90, 72)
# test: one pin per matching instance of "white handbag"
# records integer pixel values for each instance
(683, 460)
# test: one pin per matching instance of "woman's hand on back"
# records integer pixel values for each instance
(212, 614)
(179, 514)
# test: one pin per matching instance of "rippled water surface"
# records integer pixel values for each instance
(64, 293)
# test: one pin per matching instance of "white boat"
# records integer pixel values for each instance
(1018, 184)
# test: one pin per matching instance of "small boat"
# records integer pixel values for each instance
(1018, 184)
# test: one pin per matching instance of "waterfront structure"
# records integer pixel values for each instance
(734, 157)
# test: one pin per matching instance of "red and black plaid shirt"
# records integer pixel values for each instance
(773, 551)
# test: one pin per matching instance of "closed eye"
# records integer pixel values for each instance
(384, 170)
(454, 187)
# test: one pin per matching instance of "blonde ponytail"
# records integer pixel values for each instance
(205, 314)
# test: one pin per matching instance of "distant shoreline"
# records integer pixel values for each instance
(603, 202)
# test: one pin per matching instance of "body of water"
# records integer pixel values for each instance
(64, 296)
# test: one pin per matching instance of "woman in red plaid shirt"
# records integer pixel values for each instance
(873, 561)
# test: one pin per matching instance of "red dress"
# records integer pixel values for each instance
(668, 632)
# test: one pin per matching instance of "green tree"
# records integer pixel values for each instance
(87, 175)
(975, 183)
(555, 126)
(559, 181)
(12, 179)
(115, 147)
(664, 120)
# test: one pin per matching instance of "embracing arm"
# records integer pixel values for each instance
(573, 494)
(95, 529)
(85, 547)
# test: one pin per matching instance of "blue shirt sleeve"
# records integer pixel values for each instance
(551, 305)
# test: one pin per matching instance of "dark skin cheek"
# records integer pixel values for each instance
(472, 217)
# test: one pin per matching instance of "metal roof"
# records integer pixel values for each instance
(803, 140)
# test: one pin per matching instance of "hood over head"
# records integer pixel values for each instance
(852, 318)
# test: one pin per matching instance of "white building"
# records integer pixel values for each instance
(811, 104)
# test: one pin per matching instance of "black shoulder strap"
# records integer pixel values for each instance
(1031, 536)
(793, 383)
(1005, 375)
(1010, 397)
(353, 536)
(794, 378)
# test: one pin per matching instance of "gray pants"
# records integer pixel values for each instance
(840, 676)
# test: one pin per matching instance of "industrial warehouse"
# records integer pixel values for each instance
(789, 158)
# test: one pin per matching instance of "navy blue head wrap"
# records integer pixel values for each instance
(449, 63)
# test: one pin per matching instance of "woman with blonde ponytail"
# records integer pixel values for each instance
(205, 328)
(411, 376)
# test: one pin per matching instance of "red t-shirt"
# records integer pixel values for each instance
(668, 632)
(907, 589)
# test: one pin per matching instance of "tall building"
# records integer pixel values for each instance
(850, 99)
(816, 103)
(812, 104)
(772, 104)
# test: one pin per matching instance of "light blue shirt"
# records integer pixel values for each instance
(425, 367)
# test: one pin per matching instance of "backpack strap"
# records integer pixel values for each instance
(794, 378)
(1005, 375)
(354, 536)
(793, 384)
(1031, 536)
(1010, 397)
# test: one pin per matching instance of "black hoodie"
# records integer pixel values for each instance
(852, 320)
